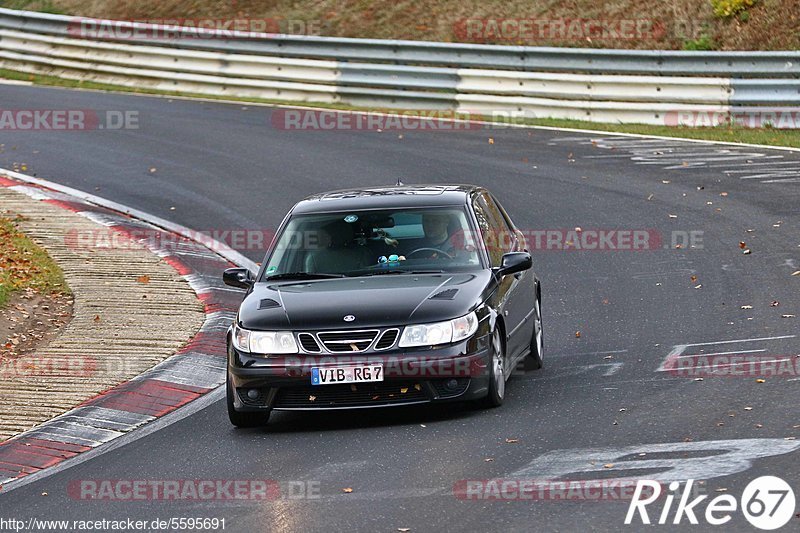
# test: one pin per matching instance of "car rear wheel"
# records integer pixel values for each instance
(534, 359)
(243, 420)
(497, 377)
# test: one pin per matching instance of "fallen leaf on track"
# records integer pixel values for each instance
(143, 279)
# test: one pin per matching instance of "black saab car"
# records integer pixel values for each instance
(383, 297)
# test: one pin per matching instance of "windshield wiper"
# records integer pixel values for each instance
(400, 271)
(304, 275)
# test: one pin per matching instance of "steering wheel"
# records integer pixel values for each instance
(430, 250)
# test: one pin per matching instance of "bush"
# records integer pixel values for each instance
(729, 8)
(704, 42)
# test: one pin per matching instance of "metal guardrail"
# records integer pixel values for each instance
(600, 85)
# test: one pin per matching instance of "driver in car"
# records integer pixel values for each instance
(437, 237)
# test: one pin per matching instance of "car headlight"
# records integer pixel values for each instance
(439, 332)
(264, 342)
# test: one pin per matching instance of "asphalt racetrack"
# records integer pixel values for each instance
(616, 320)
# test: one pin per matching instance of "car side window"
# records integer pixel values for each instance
(495, 232)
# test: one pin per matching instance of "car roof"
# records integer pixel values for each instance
(386, 197)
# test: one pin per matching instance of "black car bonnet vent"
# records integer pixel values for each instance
(268, 303)
(447, 294)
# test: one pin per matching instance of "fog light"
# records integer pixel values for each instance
(253, 394)
(452, 384)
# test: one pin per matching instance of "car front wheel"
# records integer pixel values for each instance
(534, 359)
(497, 377)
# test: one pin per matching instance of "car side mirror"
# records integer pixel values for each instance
(238, 277)
(514, 262)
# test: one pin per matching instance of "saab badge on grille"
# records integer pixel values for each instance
(349, 318)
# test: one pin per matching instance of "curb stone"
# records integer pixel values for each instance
(130, 391)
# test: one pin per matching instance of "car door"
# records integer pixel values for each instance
(514, 297)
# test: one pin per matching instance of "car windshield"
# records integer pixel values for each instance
(363, 243)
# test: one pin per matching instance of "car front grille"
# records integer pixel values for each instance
(387, 339)
(347, 341)
(350, 395)
(309, 343)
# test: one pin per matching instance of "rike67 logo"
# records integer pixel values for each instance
(767, 502)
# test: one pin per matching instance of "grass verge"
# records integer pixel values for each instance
(25, 265)
(737, 134)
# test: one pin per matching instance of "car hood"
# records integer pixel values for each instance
(374, 301)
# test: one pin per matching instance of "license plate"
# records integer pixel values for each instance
(346, 374)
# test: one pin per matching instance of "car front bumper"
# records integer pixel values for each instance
(413, 376)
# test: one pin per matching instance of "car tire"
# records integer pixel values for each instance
(497, 379)
(534, 361)
(243, 420)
